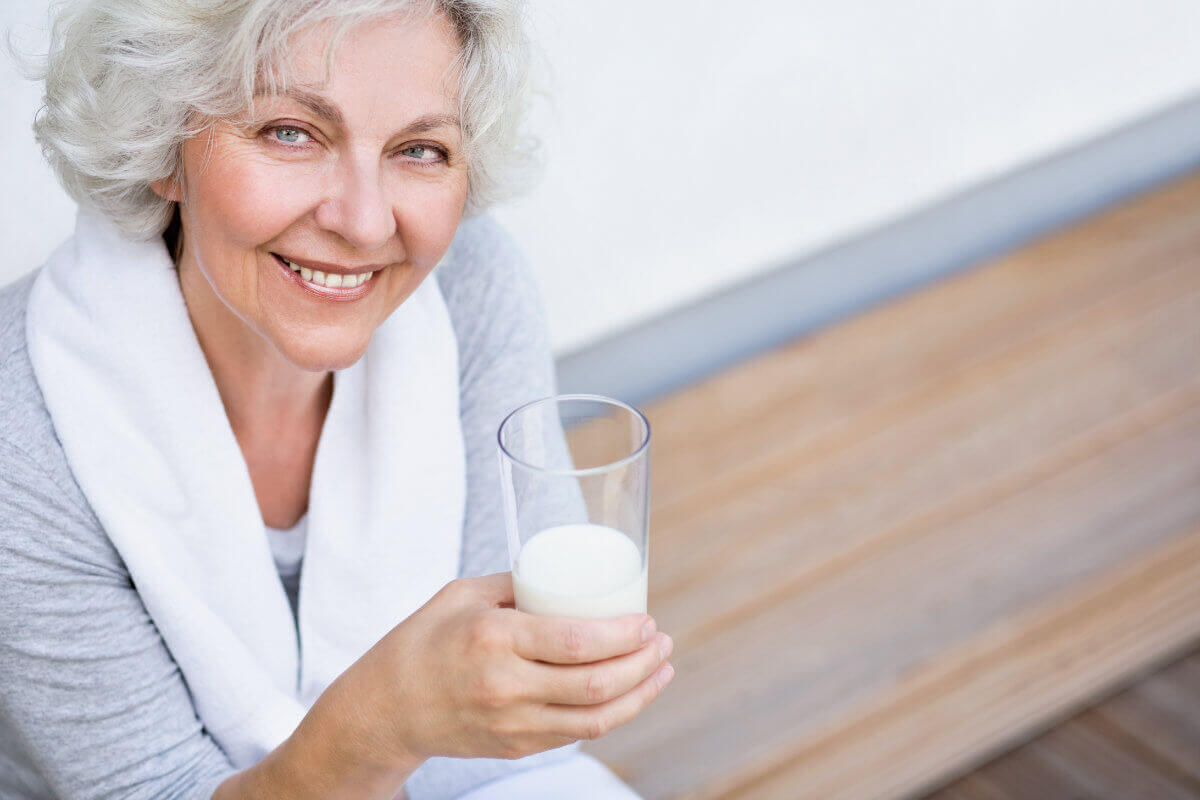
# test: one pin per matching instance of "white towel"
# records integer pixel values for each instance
(139, 417)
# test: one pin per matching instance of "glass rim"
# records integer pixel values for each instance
(588, 470)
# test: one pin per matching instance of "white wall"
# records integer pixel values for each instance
(693, 143)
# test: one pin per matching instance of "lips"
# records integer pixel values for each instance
(328, 267)
(327, 284)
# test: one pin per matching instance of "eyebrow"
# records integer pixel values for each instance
(327, 110)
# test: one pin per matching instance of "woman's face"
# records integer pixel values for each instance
(362, 174)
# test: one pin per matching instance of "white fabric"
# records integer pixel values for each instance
(287, 546)
(287, 550)
(588, 778)
(146, 435)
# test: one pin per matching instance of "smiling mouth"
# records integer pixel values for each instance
(326, 280)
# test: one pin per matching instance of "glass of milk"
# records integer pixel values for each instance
(575, 476)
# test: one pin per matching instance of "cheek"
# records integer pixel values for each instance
(239, 201)
(428, 215)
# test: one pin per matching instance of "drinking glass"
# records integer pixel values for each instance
(575, 476)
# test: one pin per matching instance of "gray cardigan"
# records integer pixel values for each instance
(91, 703)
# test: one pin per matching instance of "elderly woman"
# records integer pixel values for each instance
(250, 530)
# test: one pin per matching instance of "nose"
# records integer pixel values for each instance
(356, 207)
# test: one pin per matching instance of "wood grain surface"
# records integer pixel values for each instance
(892, 550)
(1142, 743)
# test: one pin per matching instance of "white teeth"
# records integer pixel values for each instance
(331, 280)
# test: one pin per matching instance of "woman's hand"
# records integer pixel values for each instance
(468, 675)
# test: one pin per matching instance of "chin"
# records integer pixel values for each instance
(324, 356)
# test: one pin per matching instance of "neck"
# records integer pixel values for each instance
(265, 395)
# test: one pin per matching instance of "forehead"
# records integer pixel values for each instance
(388, 66)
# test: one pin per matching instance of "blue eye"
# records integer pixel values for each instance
(291, 135)
(420, 151)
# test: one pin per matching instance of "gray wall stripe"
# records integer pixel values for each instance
(689, 343)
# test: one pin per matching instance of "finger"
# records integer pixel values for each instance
(495, 589)
(592, 722)
(591, 684)
(566, 640)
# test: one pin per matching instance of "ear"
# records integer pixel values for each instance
(167, 189)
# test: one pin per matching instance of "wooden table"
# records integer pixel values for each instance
(1144, 742)
(892, 550)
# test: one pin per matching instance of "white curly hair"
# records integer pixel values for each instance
(128, 81)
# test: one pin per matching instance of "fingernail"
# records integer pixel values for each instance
(665, 675)
(665, 646)
(648, 630)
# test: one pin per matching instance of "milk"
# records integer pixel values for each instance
(580, 570)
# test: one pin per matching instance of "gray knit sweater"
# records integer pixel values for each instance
(91, 703)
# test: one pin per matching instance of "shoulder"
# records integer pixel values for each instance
(37, 487)
(485, 265)
(13, 299)
(481, 241)
(24, 421)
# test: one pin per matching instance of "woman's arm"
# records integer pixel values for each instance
(89, 694)
(468, 676)
(89, 689)
(323, 759)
